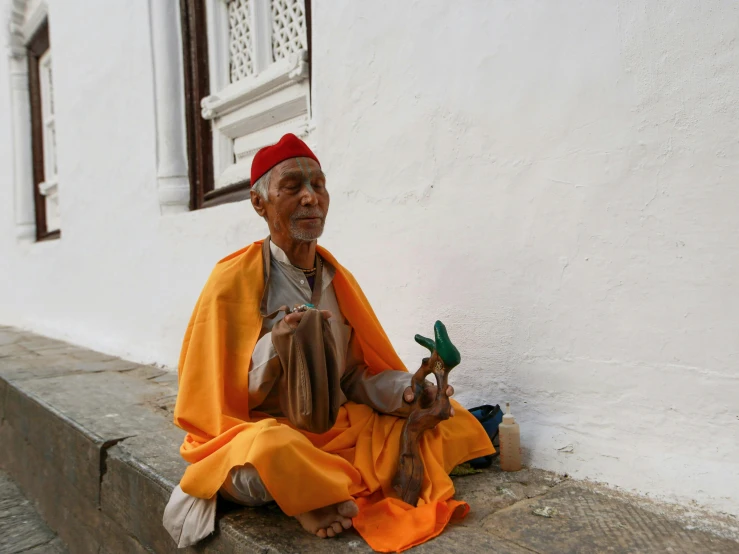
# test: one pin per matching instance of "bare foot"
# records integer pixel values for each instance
(329, 521)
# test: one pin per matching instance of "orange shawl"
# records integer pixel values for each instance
(356, 458)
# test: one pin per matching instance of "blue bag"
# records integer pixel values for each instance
(489, 417)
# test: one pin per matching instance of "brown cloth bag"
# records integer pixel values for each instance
(310, 387)
(310, 384)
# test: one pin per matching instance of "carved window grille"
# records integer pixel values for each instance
(47, 118)
(241, 45)
(289, 33)
(262, 32)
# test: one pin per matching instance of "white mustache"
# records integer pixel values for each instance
(301, 214)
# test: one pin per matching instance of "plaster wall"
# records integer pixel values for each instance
(556, 181)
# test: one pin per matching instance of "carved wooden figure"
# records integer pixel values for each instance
(444, 357)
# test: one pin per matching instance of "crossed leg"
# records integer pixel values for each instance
(296, 484)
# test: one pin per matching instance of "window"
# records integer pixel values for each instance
(43, 134)
(246, 65)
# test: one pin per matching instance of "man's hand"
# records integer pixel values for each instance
(293, 319)
(429, 394)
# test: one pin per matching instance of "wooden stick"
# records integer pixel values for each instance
(409, 477)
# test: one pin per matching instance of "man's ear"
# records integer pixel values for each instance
(258, 203)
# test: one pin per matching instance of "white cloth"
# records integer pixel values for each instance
(189, 519)
(244, 486)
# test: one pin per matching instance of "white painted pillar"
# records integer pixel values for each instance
(172, 176)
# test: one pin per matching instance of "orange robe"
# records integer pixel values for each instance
(356, 459)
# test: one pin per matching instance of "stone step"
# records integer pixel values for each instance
(89, 439)
(21, 528)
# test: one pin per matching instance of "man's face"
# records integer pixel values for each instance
(298, 201)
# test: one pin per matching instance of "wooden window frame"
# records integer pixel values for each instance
(35, 48)
(197, 87)
(203, 193)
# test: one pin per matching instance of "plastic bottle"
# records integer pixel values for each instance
(510, 442)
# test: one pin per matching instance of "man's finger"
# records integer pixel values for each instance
(449, 390)
(294, 318)
(408, 394)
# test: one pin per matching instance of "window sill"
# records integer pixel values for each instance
(48, 188)
(237, 95)
(225, 195)
(51, 235)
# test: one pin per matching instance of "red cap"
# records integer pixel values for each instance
(289, 146)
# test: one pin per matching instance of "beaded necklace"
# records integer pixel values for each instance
(311, 272)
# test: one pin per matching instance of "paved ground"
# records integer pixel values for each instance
(114, 449)
(21, 528)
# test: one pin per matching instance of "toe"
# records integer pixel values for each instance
(337, 527)
(321, 533)
(346, 523)
(330, 532)
(348, 509)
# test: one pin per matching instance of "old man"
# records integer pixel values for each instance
(246, 440)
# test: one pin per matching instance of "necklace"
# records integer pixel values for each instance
(311, 272)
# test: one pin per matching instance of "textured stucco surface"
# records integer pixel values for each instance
(557, 182)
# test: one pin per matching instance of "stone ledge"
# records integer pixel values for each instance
(90, 440)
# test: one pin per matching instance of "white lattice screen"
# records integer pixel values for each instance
(47, 116)
(241, 44)
(253, 33)
(288, 27)
(49, 188)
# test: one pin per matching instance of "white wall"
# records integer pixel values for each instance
(556, 181)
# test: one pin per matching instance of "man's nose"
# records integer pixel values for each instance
(309, 197)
